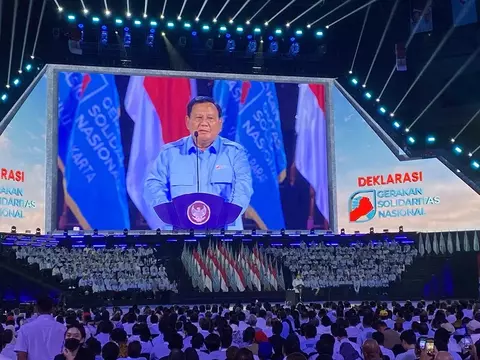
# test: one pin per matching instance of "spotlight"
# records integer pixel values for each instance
(85, 11)
(108, 12)
(278, 31)
(60, 9)
(257, 30)
(223, 28)
(470, 154)
(71, 18)
(4, 97)
(377, 100)
(7, 86)
(411, 140)
(137, 23)
(179, 18)
(118, 21)
(239, 29)
(247, 22)
(392, 114)
(38, 231)
(475, 165)
(372, 231)
(129, 14)
(354, 81)
(382, 110)
(95, 19)
(145, 16)
(309, 26)
(153, 23)
(28, 67)
(32, 57)
(13, 229)
(326, 27)
(16, 82)
(342, 231)
(400, 229)
(452, 140)
(319, 34)
(214, 21)
(20, 71)
(430, 139)
(458, 150)
(197, 19)
(187, 25)
(350, 72)
(170, 25)
(266, 23)
(364, 86)
(205, 27)
(162, 17)
(299, 32)
(163, 33)
(368, 95)
(396, 125)
(230, 21)
(407, 130)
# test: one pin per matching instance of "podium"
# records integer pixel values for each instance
(198, 211)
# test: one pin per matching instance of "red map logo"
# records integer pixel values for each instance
(198, 213)
(362, 206)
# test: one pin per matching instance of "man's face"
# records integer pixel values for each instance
(204, 119)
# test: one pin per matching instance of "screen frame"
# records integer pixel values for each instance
(51, 191)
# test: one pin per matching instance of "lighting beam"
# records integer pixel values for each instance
(360, 37)
(223, 8)
(240, 10)
(281, 10)
(38, 28)
(330, 12)
(201, 9)
(410, 38)
(128, 6)
(466, 125)
(183, 7)
(306, 11)
(353, 12)
(476, 149)
(164, 7)
(85, 10)
(427, 64)
(57, 3)
(457, 73)
(12, 39)
(27, 25)
(382, 39)
(145, 8)
(258, 11)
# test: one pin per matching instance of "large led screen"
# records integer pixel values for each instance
(22, 164)
(125, 145)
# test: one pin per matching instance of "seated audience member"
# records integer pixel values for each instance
(291, 345)
(348, 352)
(441, 339)
(276, 339)
(307, 345)
(73, 347)
(135, 351)
(110, 351)
(119, 337)
(104, 330)
(244, 354)
(371, 350)
(409, 342)
(231, 352)
(95, 347)
(391, 337)
(175, 342)
(342, 338)
(191, 354)
(380, 339)
(7, 345)
(31, 344)
(213, 344)
(324, 349)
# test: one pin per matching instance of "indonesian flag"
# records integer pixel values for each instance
(221, 271)
(157, 106)
(237, 272)
(203, 270)
(311, 149)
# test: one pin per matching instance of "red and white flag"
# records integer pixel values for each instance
(311, 149)
(157, 105)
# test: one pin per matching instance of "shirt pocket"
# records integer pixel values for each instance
(181, 183)
(222, 176)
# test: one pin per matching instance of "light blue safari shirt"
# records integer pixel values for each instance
(223, 167)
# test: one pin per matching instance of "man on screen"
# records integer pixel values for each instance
(223, 166)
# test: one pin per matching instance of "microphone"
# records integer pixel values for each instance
(198, 166)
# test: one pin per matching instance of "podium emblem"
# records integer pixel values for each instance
(198, 213)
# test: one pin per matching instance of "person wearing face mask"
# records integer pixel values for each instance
(73, 347)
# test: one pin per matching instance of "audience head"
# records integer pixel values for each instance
(110, 351)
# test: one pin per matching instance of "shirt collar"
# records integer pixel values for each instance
(213, 149)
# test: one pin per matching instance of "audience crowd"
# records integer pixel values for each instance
(332, 331)
(359, 265)
(100, 269)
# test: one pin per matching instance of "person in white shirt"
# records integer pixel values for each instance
(342, 338)
(41, 339)
(213, 344)
(297, 285)
(8, 346)
(308, 343)
(159, 351)
(409, 341)
(380, 339)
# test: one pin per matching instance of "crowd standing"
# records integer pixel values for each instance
(100, 269)
(359, 265)
(329, 331)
